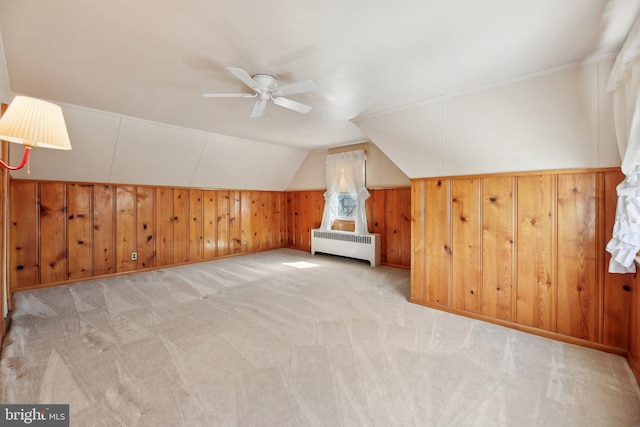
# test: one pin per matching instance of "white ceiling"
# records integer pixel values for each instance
(152, 60)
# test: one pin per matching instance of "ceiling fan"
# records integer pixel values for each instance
(266, 88)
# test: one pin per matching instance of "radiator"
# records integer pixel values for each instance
(347, 244)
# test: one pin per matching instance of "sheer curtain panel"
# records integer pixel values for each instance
(624, 82)
(349, 168)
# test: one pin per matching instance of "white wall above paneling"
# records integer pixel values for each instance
(240, 164)
(557, 120)
(380, 171)
(311, 174)
(410, 137)
(221, 163)
(93, 140)
(5, 96)
(548, 122)
(150, 153)
(122, 150)
(607, 155)
(279, 164)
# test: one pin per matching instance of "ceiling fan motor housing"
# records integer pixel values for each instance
(266, 82)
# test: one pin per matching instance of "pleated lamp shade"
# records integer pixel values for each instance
(34, 123)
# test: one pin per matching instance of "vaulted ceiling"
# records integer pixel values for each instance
(144, 64)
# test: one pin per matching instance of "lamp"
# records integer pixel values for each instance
(33, 123)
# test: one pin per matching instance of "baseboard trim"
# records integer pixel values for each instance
(126, 273)
(531, 330)
(635, 366)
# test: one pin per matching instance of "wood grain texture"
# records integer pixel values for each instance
(4, 181)
(536, 224)
(196, 236)
(289, 217)
(376, 220)
(222, 224)
(265, 224)
(280, 221)
(293, 220)
(180, 226)
(210, 219)
(163, 224)
(126, 241)
(404, 226)
(145, 227)
(418, 222)
(316, 211)
(437, 242)
(396, 209)
(392, 229)
(617, 291)
(497, 247)
(103, 244)
(634, 326)
(465, 245)
(79, 230)
(235, 222)
(53, 212)
(542, 262)
(255, 242)
(24, 251)
(576, 293)
(99, 226)
(245, 220)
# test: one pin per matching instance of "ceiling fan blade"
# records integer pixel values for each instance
(246, 78)
(292, 105)
(229, 95)
(293, 88)
(258, 108)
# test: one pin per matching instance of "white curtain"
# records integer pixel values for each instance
(349, 168)
(624, 81)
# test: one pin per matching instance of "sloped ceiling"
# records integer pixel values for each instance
(131, 73)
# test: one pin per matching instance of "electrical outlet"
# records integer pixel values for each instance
(244, 241)
(134, 256)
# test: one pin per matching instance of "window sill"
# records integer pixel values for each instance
(343, 225)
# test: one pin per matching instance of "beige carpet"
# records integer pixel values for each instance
(259, 341)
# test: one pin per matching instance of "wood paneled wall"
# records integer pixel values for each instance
(4, 177)
(525, 251)
(62, 232)
(634, 328)
(388, 214)
(304, 213)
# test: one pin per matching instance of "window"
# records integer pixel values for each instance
(346, 192)
(347, 204)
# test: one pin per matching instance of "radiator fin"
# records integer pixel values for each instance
(340, 236)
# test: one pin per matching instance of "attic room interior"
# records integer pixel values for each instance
(342, 213)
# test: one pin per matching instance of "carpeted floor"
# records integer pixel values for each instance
(283, 338)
